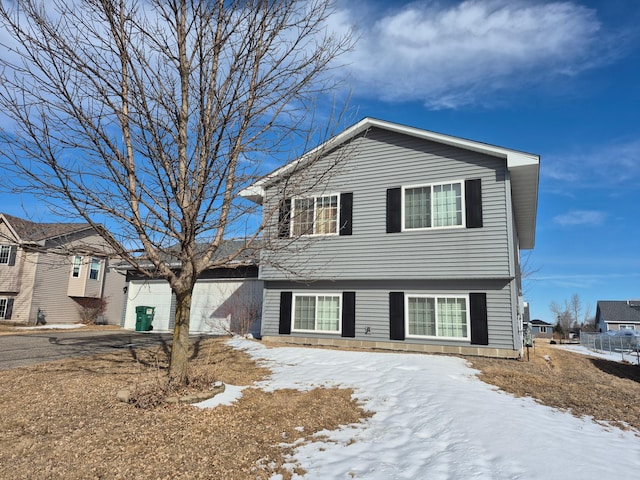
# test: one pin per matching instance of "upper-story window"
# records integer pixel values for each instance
(77, 261)
(315, 215)
(433, 206)
(5, 253)
(94, 270)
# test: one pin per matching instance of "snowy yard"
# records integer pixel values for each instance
(434, 419)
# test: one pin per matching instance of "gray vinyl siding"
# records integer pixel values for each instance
(383, 160)
(372, 306)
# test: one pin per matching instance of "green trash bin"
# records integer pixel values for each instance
(144, 317)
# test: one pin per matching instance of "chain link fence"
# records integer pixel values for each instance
(625, 344)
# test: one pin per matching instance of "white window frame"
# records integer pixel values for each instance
(542, 329)
(4, 301)
(73, 266)
(94, 259)
(315, 214)
(316, 295)
(5, 248)
(626, 326)
(431, 185)
(437, 296)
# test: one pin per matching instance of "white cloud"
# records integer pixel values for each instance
(451, 55)
(580, 217)
(585, 280)
(614, 164)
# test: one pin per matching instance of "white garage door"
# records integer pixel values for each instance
(217, 306)
(145, 293)
(225, 306)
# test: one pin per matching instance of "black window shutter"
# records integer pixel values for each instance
(285, 313)
(8, 309)
(346, 213)
(284, 219)
(349, 314)
(473, 200)
(12, 255)
(394, 210)
(396, 315)
(478, 313)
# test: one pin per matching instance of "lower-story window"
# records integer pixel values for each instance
(317, 313)
(437, 316)
(5, 308)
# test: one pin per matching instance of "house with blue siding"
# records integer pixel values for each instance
(541, 329)
(398, 238)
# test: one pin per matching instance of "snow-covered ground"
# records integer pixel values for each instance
(52, 326)
(435, 420)
(631, 357)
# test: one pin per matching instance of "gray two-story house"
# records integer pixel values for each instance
(394, 237)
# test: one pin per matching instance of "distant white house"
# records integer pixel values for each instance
(618, 315)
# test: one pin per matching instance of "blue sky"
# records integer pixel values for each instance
(560, 79)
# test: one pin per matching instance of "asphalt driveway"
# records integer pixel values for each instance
(20, 350)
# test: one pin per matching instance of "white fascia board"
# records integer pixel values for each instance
(255, 191)
(6, 221)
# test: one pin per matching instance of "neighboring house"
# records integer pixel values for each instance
(618, 315)
(411, 242)
(224, 300)
(541, 329)
(51, 271)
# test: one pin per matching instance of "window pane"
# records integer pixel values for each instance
(304, 317)
(417, 207)
(303, 216)
(328, 313)
(447, 205)
(452, 317)
(3, 307)
(76, 266)
(422, 318)
(5, 250)
(95, 269)
(327, 215)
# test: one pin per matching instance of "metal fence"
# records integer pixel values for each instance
(628, 346)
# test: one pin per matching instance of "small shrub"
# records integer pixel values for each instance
(91, 309)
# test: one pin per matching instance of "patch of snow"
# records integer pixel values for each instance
(433, 418)
(631, 357)
(231, 394)
(53, 326)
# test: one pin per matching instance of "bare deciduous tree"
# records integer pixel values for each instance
(151, 116)
(568, 315)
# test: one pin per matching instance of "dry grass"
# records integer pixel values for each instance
(586, 386)
(62, 420)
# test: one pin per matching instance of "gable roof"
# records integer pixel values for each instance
(34, 232)
(540, 323)
(524, 169)
(226, 249)
(619, 310)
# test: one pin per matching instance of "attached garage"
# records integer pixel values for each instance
(224, 301)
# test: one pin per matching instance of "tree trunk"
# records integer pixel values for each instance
(180, 347)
